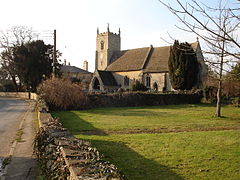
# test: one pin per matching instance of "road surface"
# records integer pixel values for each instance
(11, 113)
(16, 139)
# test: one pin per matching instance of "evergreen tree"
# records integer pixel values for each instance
(183, 66)
(33, 63)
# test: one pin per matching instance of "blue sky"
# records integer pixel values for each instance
(142, 23)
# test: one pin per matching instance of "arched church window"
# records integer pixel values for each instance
(102, 45)
(155, 86)
(96, 84)
(126, 81)
(148, 81)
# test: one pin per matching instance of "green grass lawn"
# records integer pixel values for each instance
(193, 145)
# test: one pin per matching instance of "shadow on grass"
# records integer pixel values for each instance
(144, 110)
(76, 125)
(132, 112)
(130, 163)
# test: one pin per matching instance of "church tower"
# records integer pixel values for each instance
(107, 43)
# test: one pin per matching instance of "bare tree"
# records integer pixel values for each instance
(15, 36)
(218, 27)
(204, 22)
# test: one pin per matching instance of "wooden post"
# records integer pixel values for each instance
(54, 52)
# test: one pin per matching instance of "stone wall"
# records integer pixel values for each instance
(203, 69)
(132, 75)
(23, 95)
(62, 156)
(159, 78)
(132, 99)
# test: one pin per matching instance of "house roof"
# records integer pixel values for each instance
(107, 78)
(155, 60)
(72, 69)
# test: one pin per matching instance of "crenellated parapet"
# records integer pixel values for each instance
(107, 43)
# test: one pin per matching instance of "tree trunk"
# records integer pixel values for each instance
(219, 93)
(14, 83)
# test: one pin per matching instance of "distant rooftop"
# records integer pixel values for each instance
(72, 69)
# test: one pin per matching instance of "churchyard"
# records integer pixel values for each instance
(162, 142)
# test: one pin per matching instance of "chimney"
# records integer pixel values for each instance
(65, 62)
(85, 65)
(69, 64)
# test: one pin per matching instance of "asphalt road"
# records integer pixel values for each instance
(17, 116)
(11, 113)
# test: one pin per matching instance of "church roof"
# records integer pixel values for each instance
(72, 69)
(158, 61)
(107, 78)
(128, 60)
(146, 59)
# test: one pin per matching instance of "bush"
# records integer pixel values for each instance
(231, 88)
(75, 80)
(7, 87)
(230, 91)
(236, 101)
(138, 86)
(136, 99)
(62, 94)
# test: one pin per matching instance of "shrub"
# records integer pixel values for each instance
(136, 99)
(230, 91)
(75, 80)
(231, 88)
(236, 101)
(138, 86)
(62, 94)
(7, 87)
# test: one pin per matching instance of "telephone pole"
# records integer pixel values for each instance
(54, 52)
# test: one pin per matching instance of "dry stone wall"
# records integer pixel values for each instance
(62, 156)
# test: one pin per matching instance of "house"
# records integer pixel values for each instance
(74, 73)
(116, 69)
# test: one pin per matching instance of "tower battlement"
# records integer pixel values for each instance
(107, 43)
(108, 32)
(105, 33)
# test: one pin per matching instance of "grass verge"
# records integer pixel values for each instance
(194, 154)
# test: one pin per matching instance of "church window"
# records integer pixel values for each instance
(148, 81)
(102, 45)
(126, 81)
(96, 84)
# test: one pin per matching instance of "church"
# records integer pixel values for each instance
(116, 68)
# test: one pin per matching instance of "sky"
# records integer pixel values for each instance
(142, 22)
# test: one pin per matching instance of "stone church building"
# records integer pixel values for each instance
(116, 68)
